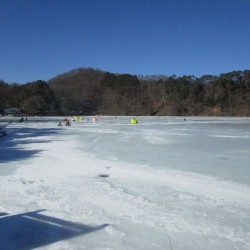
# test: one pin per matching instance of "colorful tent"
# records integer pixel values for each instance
(133, 121)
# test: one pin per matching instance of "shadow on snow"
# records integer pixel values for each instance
(11, 146)
(32, 230)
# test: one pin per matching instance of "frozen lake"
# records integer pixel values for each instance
(212, 146)
(164, 183)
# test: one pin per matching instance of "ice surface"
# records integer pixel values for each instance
(164, 183)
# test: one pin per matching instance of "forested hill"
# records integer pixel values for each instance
(87, 91)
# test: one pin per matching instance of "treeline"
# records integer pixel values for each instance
(35, 98)
(88, 91)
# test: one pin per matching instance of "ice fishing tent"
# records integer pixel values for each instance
(133, 121)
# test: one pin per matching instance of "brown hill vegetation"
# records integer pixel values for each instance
(89, 91)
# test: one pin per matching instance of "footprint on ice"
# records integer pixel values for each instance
(224, 158)
(26, 181)
(103, 175)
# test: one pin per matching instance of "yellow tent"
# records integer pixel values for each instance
(133, 121)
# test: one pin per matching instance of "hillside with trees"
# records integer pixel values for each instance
(35, 98)
(88, 91)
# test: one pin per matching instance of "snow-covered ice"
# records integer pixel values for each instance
(163, 183)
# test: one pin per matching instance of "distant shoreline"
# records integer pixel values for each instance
(30, 119)
(4, 119)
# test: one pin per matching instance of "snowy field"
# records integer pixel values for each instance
(163, 183)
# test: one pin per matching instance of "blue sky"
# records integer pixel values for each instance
(40, 39)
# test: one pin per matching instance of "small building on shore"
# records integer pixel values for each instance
(12, 112)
